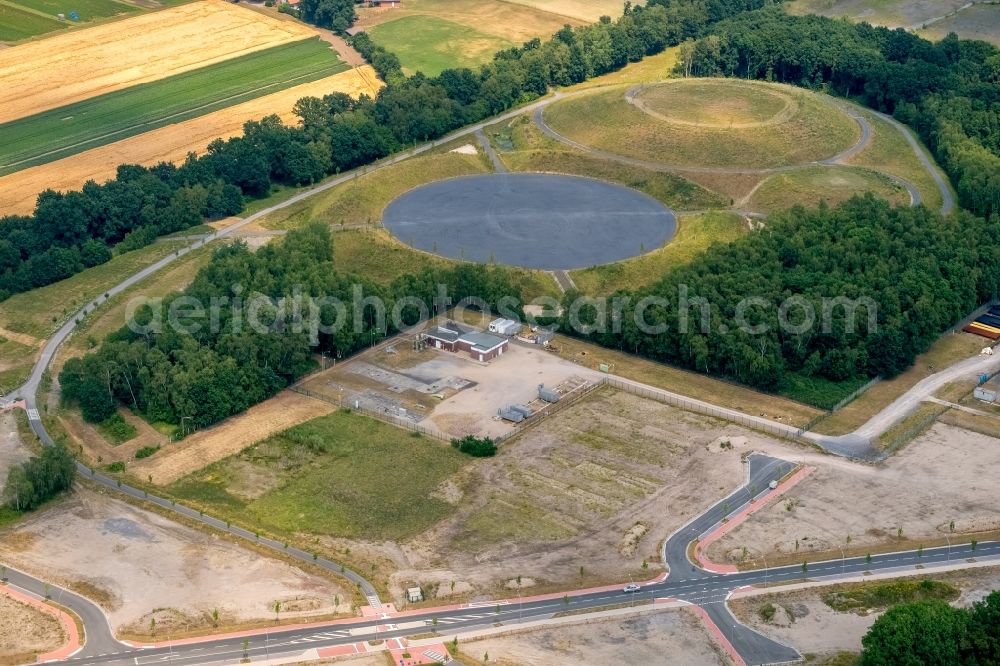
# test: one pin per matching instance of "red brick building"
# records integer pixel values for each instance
(480, 346)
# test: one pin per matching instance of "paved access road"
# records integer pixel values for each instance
(685, 582)
(699, 587)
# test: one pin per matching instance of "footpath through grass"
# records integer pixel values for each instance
(343, 475)
(101, 120)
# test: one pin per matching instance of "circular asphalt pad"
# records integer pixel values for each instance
(530, 220)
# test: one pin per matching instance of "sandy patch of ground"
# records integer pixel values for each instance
(466, 149)
(12, 449)
(77, 65)
(812, 626)
(133, 561)
(938, 478)
(231, 436)
(94, 446)
(571, 491)
(22, 338)
(25, 631)
(171, 143)
(671, 636)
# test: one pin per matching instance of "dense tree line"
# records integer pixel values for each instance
(922, 271)
(39, 479)
(948, 91)
(198, 375)
(72, 231)
(932, 633)
(337, 15)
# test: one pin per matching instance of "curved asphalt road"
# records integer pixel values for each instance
(101, 646)
(685, 582)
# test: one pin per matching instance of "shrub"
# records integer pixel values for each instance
(767, 612)
(477, 447)
(146, 451)
(116, 466)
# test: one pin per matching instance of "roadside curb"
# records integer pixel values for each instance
(734, 521)
(72, 645)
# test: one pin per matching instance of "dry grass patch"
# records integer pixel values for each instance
(650, 69)
(362, 200)
(948, 350)
(569, 492)
(172, 143)
(283, 411)
(81, 64)
(583, 10)
(834, 185)
(979, 22)
(26, 631)
(95, 449)
(506, 20)
(691, 384)
(889, 151)
(134, 562)
(909, 501)
(695, 234)
(111, 315)
(604, 120)
(524, 148)
(637, 639)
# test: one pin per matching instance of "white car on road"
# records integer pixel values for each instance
(630, 588)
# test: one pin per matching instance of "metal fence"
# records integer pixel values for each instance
(762, 425)
(840, 405)
(391, 419)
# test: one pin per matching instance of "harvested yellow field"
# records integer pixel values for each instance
(77, 65)
(171, 143)
(279, 413)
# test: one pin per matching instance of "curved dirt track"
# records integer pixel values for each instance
(838, 159)
(633, 97)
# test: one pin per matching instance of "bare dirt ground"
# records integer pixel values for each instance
(25, 631)
(171, 143)
(808, 624)
(95, 447)
(132, 561)
(231, 436)
(597, 485)
(941, 476)
(68, 68)
(673, 636)
(12, 450)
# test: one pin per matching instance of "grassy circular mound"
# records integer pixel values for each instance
(810, 185)
(689, 124)
(703, 103)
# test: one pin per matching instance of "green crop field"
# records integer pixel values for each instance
(429, 44)
(671, 133)
(342, 474)
(94, 122)
(85, 9)
(17, 23)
